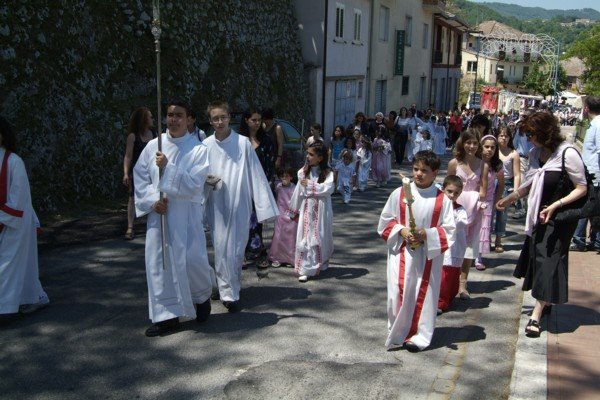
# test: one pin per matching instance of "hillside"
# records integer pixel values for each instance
(475, 13)
(528, 13)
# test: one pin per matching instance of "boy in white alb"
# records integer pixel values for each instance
(415, 255)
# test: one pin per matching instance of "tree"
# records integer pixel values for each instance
(541, 82)
(588, 49)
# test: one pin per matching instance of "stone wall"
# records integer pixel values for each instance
(71, 72)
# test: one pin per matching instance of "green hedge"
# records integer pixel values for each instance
(71, 72)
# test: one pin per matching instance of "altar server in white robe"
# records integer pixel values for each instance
(183, 286)
(243, 181)
(415, 258)
(20, 287)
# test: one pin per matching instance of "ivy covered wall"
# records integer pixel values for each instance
(71, 72)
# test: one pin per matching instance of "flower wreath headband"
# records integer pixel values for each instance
(486, 137)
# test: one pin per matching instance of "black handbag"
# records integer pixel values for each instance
(586, 207)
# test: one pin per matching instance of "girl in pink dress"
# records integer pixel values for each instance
(467, 164)
(379, 165)
(490, 156)
(283, 244)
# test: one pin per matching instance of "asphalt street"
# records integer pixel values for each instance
(320, 340)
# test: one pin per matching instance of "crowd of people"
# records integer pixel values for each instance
(229, 183)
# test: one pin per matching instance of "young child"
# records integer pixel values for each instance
(20, 287)
(453, 258)
(423, 141)
(312, 201)
(415, 256)
(380, 168)
(469, 167)
(489, 155)
(364, 156)
(337, 145)
(346, 175)
(439, 136)
(286, 224)
(511, 162)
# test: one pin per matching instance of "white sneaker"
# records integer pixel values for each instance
(30, 308)
(303, 278)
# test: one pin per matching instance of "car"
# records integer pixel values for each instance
(293, 143)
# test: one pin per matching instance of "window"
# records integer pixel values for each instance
(405, 85)
(408, 30)
(357, 23)
(425, 35)
(471, 67)
(525, 71)
(360, 89)
(384, 24)
(339, 20)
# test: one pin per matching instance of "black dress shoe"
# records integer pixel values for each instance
(203, 311)
(163, 327)
(215, 296)
(410, 346)
(232, 306)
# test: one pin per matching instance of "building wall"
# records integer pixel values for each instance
(417, 58)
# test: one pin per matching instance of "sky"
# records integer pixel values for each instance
(550, 4)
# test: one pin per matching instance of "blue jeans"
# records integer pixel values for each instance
(499, 217)
(580, 239)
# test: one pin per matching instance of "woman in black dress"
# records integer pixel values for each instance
(544, 261)
(139, 133)
(251, 126)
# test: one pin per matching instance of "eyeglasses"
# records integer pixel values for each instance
(220, 118)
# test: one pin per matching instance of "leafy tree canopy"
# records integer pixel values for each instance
(587, 48)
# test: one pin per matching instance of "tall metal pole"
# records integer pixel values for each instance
(156, 31)
(556, 67)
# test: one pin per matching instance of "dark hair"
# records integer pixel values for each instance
(405, 110)
(317, 127)
(138, 123)
(426, 133)
(428, 158)
(342, 129)
(268, 113)
(546, 129)
(508, 132)
(290, 171)
(459, 148)
(359, 114)
(9, 140)
(180, 103)
(483, 121)
(319, 148)
(217, 104)
(593, 104)
(353, 142)
(192, 113)
(495, 161)
(453, 180)
(245, 129)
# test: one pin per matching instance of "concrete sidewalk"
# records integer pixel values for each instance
(564, 363)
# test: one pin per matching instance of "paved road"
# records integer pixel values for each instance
(323, 339)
